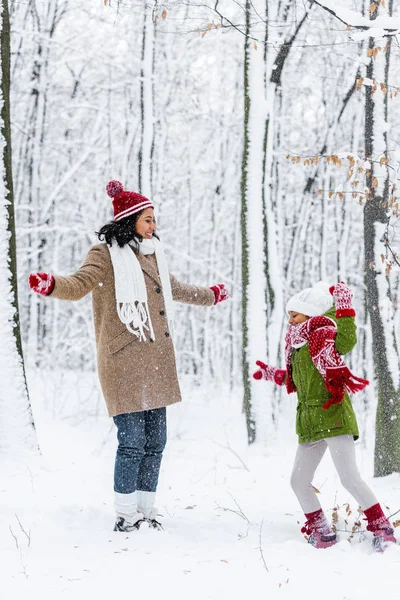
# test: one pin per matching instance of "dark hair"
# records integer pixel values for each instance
(123, 231)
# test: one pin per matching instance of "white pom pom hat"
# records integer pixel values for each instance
(313, 301)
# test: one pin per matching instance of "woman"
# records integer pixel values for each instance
(133, 297)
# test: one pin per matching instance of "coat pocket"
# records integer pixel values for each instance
(120, 341)
(325, 420)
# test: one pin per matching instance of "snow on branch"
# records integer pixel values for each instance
(355, 20)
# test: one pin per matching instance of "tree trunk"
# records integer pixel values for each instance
(16, 421)
(146, 104)
(253, 260)
(377, 279)
(262, 304)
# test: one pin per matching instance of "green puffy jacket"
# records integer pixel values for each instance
(312, 421)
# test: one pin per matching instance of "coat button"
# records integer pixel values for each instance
(166, 334)
(158, 290)
(162, 313)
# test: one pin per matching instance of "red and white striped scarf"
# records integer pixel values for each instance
(320, 333)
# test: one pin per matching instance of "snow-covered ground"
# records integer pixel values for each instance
(232, 523)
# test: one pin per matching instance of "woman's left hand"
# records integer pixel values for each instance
(220, 292)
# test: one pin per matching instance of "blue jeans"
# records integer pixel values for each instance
(141, 440)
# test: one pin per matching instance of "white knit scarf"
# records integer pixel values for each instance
(130, 287)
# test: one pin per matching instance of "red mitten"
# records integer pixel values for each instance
(41, 283)
(269, 373)
(220, 292)
(343, 296)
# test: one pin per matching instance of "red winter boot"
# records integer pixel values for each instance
(318, 529)
(380, 527)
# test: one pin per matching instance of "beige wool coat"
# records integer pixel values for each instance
(134, 375)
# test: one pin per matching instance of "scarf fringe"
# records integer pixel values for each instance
(356, 384)
(340, 379)
(136, 317)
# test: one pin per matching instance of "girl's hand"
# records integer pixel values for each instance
(220, 292)
(343, 297)
(41, 283)
(269, 373)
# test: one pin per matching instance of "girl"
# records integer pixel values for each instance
(133, 297)
(317, 337)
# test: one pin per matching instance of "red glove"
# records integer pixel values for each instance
(41, 283)
(270, 373)
(343, 296)
(220, 292)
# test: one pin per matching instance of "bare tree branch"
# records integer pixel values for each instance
(28, 535)
(260, 547)
(238, 512)
(283, 54)
(347, 22)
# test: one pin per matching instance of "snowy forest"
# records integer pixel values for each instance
(266, 134)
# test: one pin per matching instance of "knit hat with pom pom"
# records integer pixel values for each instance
(126, 203)
(313, 301)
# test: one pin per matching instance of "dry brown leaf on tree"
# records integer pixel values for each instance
(373, 7)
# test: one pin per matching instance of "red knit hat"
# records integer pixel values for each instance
(126, 203)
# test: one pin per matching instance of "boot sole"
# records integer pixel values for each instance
(323, 543)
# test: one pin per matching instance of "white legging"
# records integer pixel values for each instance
(308, 457)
